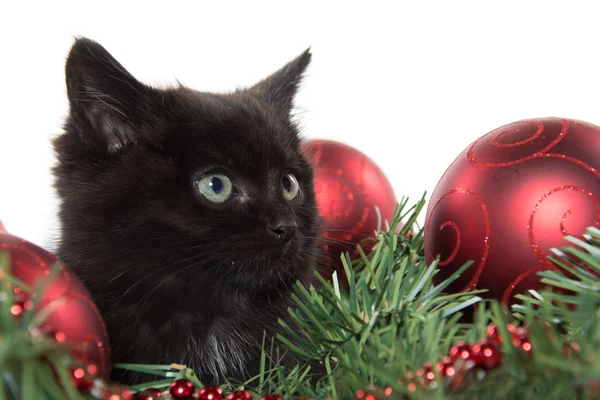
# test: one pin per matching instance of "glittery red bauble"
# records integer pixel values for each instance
(210, 393)
(240, 395)
(509, 198)
(348, 186)
(182, 389)
(150, 394)
(489, 356)
(271, 397)
(82, 380)
(74, 317)
(118, 392)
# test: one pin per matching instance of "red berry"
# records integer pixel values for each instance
(488, 356)
(426, 373)
(362, 394)
(210, 393)
(240, 395)
(271, 397)
(569, 348)
(445, 367)
(526, 346)
(492, 334)
(116, 392)
(182, 390)
(461, 350)
(82, 380)
(16, 309)
(150, 394)
(518, 335)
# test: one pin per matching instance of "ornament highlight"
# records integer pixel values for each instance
(348, 186)
(509, 198)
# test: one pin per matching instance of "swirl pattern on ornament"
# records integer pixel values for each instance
(450, 258)
(530, 228)
(531, 272)
(572, 160)
(536, 135)
(475, 159)
(486, 246)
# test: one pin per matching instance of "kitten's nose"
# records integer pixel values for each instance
(282, 233)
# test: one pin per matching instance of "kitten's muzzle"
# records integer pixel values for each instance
(282, 233)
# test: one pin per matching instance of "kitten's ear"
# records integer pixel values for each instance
(281, 87)
(112, 105)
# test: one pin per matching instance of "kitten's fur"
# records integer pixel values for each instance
(177, 278)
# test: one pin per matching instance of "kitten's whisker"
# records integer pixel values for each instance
(363, 235)
(332, 240)
(119, 275)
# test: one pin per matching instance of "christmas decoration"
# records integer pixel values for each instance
(74, 317)
(182, 389)
(240, 395)
(82, 380)
(118, 392)
(348, 187)
(150, 394)
(271, 397)
(509, 198)
(210, 393)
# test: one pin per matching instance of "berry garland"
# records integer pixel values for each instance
(463, 358)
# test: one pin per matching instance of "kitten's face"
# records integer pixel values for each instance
(189, 188)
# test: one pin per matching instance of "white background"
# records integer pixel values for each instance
(411, 84)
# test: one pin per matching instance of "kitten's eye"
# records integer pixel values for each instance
(216, 187)
(290, 187)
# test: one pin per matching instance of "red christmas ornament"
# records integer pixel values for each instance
(182, 389)
(240, 395)
(150, 394)
(509, 198)
(210, 393)
(75, 317)
(348, 186)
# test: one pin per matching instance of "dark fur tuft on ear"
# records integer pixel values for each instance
(281, 87)
(109, 106)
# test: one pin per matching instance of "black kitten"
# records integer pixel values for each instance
(188, 215)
